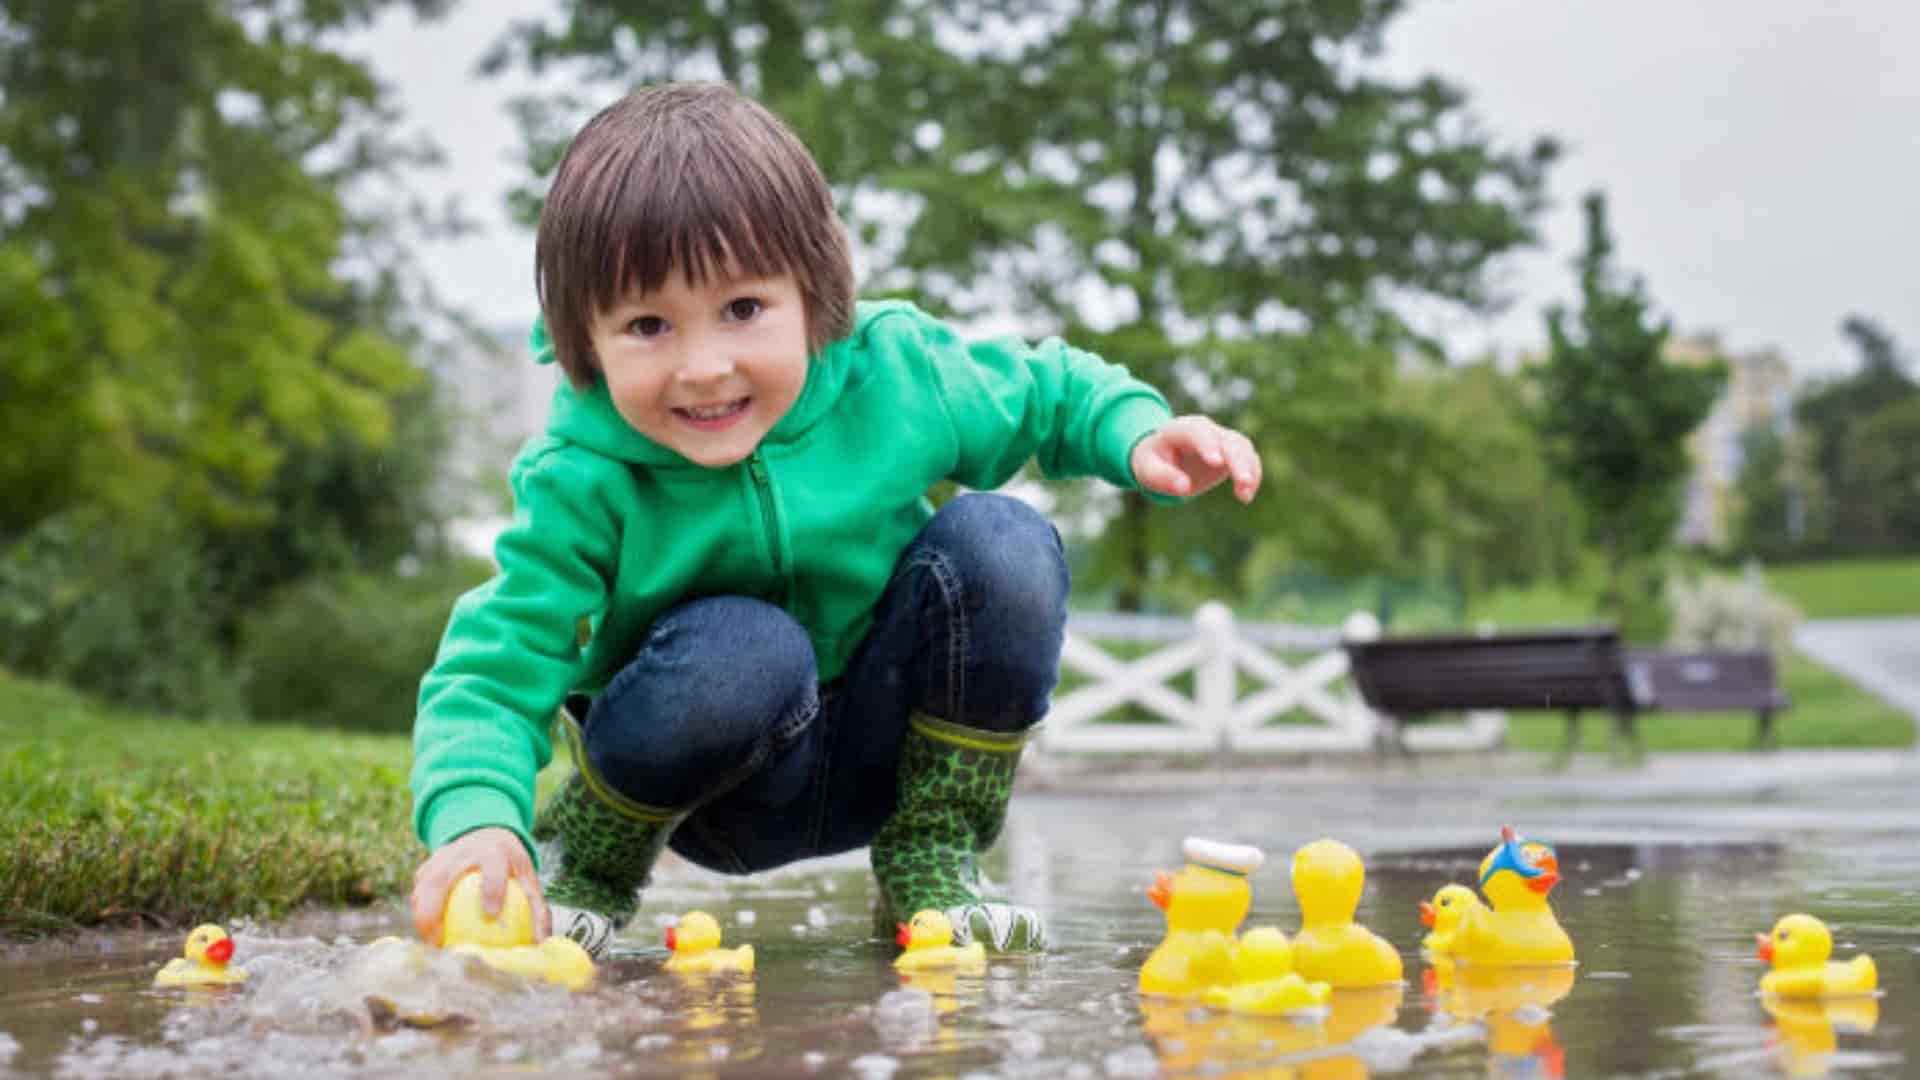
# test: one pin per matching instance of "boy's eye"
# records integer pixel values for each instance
(743, 308)
(647, 326)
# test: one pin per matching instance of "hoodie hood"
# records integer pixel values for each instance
(586, 416)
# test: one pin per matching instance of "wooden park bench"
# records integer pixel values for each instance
(1406, 678)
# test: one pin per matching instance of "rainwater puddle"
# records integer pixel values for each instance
(1663, 914)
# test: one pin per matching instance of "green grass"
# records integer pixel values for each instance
(1850, 587)
(1828, 711)
(115, 816)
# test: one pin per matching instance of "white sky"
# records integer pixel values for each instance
(1761, 157)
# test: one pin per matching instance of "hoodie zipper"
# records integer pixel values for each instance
(770, 519)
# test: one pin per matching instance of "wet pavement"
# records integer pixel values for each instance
(1669, 870)
(1881, 654)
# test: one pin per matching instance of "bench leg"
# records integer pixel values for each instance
(1627, 736)
(1572, 740)
(1764, 737)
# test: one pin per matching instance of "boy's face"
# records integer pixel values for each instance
(705, 371)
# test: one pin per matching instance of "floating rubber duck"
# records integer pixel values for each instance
(204, 962)
(1442, 916)
(1264, 982)
(1798, 949)
(1204, 904)
(1327, 880)
(695, 944)
(506, 943)
(1520, 930)
(1807, 1027)
(928, 941)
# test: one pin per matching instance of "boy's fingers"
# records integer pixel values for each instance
(530, 884)
(426, 912)
(493, 886)
(1164, 476)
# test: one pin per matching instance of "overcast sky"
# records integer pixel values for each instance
(1761, 157)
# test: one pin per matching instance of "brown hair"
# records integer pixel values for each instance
(693, 179)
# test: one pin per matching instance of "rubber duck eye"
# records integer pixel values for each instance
(1784, 934)
(1448, 902)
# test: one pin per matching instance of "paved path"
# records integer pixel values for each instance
(1882, 655)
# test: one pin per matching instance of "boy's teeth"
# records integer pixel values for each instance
(715, 412)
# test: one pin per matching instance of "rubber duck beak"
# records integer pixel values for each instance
(1428, 916)
(673, 940)
(1544, 882)
(220, 951)
(1161, 891)
(902, 935)
(1765, 950)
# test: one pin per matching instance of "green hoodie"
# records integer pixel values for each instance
(610, 529)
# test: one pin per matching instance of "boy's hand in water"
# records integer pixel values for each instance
(499, 855)
(1191, 454)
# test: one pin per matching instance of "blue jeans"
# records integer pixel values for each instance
(722, 710)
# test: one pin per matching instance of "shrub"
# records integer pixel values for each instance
(1720, 612)
(348, 650)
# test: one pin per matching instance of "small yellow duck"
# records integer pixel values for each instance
(1327, 880)
(928, 941)
(695, 943)
(1204, 904)
(1520, 930)
(1798, 949)
(204, 962)
(1442, 916)
(506, 943)
(1264, 982)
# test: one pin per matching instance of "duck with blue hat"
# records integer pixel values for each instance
(1520, 930)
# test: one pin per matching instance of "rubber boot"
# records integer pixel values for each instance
(954, 785)
(597, 850)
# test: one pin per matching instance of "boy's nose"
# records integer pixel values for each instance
(706, 366)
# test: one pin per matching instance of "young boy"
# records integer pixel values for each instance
(722, 567)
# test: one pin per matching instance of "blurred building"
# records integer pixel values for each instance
(1759, 393)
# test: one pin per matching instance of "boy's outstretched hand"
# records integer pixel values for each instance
(1191, 454)
(498, 854)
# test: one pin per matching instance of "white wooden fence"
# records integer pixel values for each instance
(1217, 648)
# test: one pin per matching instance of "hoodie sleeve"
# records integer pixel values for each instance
(511, 653)
(1010, 402)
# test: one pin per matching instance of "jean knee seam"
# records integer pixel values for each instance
(958, 651)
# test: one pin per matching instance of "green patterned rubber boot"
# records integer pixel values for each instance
(597, 849)
(954, 785)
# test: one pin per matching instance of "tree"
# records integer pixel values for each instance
(1832, 413)
(1227, 197)
(1880, 465)
(1616, 416)
(1769, 514)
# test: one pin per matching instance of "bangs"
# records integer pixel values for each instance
(734, 223)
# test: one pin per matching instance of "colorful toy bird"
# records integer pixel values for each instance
(1799, 949)
(1328, 878)
(505, 943)
(1204, 904)
(1520, 930)
(928, 941)
(204, 962)
(695, 943)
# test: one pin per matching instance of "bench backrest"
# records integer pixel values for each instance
(1705, 681)
(1548, 669)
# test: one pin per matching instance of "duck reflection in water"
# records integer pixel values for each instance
(1513, 1003)
(1190, 1039)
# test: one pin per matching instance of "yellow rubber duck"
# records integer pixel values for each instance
(506, 943)
(1264, 982)
(1204, 904)
(928, 941)
(1799, 950)
(695, 943)
(1520, 930)
(1807, 1027)
(1327, 880)
(1442, 916)
(204, 962)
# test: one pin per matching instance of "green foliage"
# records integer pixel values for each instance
(348, 650)
(1766, 508)
(1615, 416)
(1230, 199)
(117, 816)
(118, 607)
(1866, 501)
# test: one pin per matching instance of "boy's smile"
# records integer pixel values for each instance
(705, 370)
